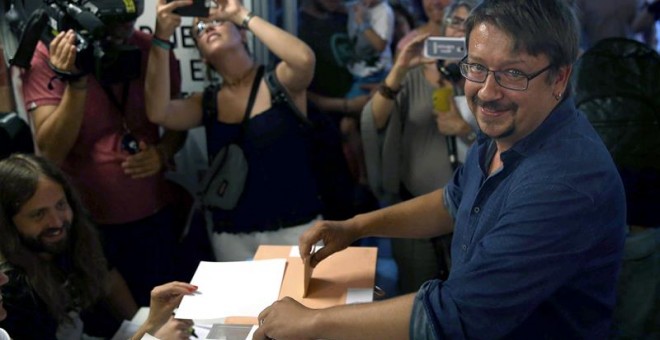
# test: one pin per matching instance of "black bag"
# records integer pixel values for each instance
(333, 177)
(223, 183)
(617, 86)
(15, 135)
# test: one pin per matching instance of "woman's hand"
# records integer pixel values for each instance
(450, 123)
(175, 329)
(360, 11)
(412, 55)
(165, 298)
(63, 52)
(231, 10)
(166, 20)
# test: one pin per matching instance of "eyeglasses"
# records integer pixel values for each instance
(455, 22)
(511, 79)
(203, 25)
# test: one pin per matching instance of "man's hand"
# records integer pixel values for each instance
(63, 52)
(145, 163)
(285, 319)
(336, 236)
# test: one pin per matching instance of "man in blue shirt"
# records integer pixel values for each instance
(537, 211)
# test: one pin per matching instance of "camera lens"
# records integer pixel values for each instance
(130, 144)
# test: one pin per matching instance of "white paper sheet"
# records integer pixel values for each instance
(359, 295)
(295, 251)
(229, 332)
(241, 288)
(254, 329)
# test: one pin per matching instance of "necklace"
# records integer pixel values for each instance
(239, 80)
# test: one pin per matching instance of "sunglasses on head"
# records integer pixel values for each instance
(203, 25)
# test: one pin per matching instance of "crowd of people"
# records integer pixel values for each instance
(506, 211)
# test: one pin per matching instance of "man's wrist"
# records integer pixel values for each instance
(78, 84)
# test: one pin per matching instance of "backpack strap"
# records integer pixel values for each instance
(280, 95)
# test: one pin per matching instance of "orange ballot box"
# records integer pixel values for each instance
(353, 268)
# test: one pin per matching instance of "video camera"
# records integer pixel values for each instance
(92, 21)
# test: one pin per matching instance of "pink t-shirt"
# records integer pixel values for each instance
(94, 162)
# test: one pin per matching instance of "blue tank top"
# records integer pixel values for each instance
(280, 189)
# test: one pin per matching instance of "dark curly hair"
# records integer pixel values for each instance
(84, 281)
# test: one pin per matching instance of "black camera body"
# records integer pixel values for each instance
(92, 21)
(450, 71)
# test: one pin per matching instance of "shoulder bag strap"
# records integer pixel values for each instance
(253, 96)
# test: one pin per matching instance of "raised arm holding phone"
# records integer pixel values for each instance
(241, 111)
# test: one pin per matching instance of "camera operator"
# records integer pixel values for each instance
(97, 131)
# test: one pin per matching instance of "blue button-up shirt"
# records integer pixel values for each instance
(537, 245)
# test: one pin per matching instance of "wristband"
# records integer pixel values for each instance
(387, 91)
(65, 75)
(246, 20)
(164, 44)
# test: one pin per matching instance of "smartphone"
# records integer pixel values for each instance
(197, 9)
(444, 48)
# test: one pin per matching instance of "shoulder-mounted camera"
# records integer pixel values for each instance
(92, 21)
